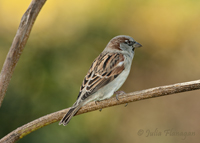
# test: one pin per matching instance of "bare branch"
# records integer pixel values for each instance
(130, 97)
(18, 44)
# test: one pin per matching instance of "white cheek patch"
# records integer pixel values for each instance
(120, 64)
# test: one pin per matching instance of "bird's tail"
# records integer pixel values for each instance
(72, 111)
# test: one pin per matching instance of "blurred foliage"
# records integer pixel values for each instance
(64, 41)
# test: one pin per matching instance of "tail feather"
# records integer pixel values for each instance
(72, 111)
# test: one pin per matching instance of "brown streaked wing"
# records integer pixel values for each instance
(105, 69)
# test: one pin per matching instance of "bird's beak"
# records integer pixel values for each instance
(137, 45)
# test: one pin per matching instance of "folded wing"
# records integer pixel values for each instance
(105, 68)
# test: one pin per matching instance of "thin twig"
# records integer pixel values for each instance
(18, 44)
(130, 97)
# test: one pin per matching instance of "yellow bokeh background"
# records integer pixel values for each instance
(66, 38)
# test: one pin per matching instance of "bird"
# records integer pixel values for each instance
(106, 75)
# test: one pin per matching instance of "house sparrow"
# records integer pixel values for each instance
(106, 75)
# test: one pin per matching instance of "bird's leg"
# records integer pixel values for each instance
(119, 93)
(96, 104)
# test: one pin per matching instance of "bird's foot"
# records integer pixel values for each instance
(96, 101)
(126, 104)
(119, 93)
(96, 104)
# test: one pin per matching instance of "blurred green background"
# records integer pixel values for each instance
(69, 35)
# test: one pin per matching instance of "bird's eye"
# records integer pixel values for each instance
(126, 41)
(130, 43)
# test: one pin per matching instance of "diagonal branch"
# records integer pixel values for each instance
(18, 44)
(130, 97)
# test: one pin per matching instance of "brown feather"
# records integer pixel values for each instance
(104, 69)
